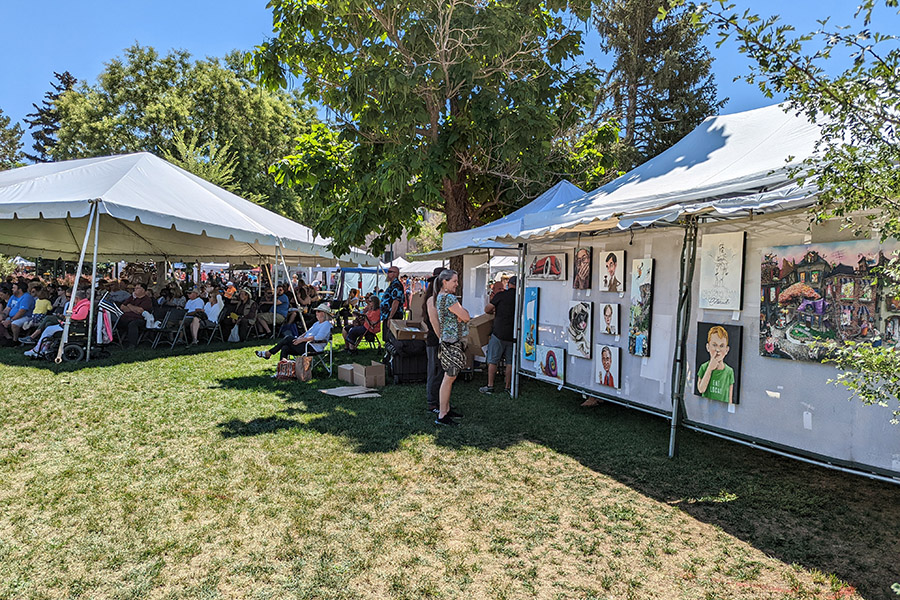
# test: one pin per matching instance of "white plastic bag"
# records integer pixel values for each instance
(235, 335)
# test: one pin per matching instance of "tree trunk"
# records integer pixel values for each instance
(456, 207)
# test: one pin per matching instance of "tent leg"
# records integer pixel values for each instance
(87, 233)
(520, 299)
(279, 251)
(93, 287)
(679, 365)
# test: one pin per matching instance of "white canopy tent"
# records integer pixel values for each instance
(730, 164)
(140, 207)
(149, 209)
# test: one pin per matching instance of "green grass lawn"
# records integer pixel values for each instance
(192, 474)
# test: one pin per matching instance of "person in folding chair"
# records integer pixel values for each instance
(314, 341)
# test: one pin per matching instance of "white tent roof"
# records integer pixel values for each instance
(149, 210)
(420, 268)
(727, 164)
(479, 238)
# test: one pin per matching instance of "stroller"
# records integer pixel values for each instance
(76, 346)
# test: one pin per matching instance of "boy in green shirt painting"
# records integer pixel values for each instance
(715, 379)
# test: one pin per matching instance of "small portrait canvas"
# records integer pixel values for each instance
(550, 364)
(584, 260)
(718, 361)
(608, 370)
(609, 319)
(579, 328)
(612, 271)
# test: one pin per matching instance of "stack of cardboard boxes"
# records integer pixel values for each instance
(371, 376)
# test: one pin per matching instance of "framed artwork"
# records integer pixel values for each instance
(609, 371)
(529, 323)
(584, 261)
(824, 292)
(580, 327)
(551, 364)
(718, 363)
(612, 271)
(722, 271)
(548, 267)
(609, 319)
(641, 309)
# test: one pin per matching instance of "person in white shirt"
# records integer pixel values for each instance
(315, 339)
(206, 315)
(195, 311)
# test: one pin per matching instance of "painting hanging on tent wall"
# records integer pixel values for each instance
(529, 323)
(609, 371)
(551, 364)
(584, 261)
(580, 328)
(718, 362)
(722, 271)
(612, 271)
(609, 324)
(824, 292)
(547, 267)
(641, 308)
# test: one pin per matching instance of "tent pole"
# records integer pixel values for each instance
(93, 286)
(679, 365)
(280, 252)
(520, 299)
(87, 233)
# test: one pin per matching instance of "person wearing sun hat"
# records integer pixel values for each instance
(315, 338)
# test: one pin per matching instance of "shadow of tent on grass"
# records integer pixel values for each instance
(796, 512)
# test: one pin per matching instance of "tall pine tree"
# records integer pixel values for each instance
(660, 86)
(45, 118)
(10, 143)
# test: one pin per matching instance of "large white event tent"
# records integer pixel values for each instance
(141, 207)
(731, 174)
(148, 209)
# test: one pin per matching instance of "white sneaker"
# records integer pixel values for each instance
(31, 354)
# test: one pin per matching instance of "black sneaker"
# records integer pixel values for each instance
(486, 389)
(454, 415)
(434, 409)
(445, 420)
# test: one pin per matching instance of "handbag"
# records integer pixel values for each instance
(286, 370)
(235, 335)
(303, 369)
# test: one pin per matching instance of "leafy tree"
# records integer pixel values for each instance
(453, 106)
(140, 101)
(45, 120)
(858, 113)
(660, 85)
(10, 143)
(211, 161)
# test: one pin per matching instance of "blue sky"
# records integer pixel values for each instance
(80, 36)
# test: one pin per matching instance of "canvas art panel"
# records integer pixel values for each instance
(579, 328)
(550, 364)
(584, 261)
(722, 271)
(641, 307)
(608, 370)
(822, 293)
(718, 362)
(530, 323)
(547, 267)
(612, 271)
(609, 319)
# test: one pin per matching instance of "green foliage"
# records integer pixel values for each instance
(140, 101)
(872, 374)
(7, 266)
(858, 113)
(10, 143)
(44, 121)
(451, 106)
(660, 85)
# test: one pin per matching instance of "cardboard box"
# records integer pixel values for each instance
(415, 307)
(408, 330)
(345, 373)
(371, 376)
(480, 329)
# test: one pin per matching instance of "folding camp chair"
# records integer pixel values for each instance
(172, 323)
(214, 328)
(324, 357)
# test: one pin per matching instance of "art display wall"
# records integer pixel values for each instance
(757, 395)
